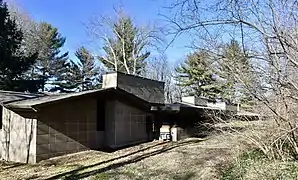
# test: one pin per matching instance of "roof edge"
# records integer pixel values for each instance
(67, 96)
(132, 75)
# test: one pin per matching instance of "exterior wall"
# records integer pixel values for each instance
(201, 101)
(204, 102)
(223, 106)
(18, 137)
(195, 100)
(68, 127)
(126, 125)
(109, 80)
(220, 105)
(189, 99)
(232, 108)
(147, 89)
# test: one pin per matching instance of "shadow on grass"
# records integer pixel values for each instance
(75, 174)
(61, 161)
(185, 176)
(10, 165)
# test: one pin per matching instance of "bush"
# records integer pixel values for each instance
(243, 162)
(254, 164)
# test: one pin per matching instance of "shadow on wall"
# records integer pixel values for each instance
(6, 135)
(82, 172)
(18, 130)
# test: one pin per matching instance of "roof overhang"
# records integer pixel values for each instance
(179, 106)
(36, 103)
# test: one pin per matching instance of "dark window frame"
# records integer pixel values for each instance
(149, 123)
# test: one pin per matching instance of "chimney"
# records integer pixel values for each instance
(146, 89)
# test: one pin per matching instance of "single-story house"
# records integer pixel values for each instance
(127, 110)
(39, 126)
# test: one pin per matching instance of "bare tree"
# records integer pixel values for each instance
(267, 32)
(28, 26)
(159, 68)
(126, 45)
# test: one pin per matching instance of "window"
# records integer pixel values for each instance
(1, 118)
(149, 124)
(101, 112)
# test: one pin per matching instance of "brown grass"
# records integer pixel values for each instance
(189, 159)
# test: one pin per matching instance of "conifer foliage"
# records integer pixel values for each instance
(51, 64)
(213, 75)
(13, 62)
(125, 48)
(81, 75)
(198, 77)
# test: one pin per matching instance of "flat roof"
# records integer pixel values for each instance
(12, 96)
(246, 113)
(134, 75)
(29, 103)
(189, 105)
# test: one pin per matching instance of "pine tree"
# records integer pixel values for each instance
(83, 75)
(198, 76)
(89, 72)
(51, 65)
(13, 62)
(124, 51)
(235, 62)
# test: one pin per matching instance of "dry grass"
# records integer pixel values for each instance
(189, 159)
(253, 164)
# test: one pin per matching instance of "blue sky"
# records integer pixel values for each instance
(68, 16)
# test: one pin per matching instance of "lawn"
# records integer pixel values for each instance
(193, 158)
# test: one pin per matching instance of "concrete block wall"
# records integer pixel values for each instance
(127, 125)
(18, 136)
(68, 127)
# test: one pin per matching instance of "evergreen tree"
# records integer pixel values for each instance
(28, 26)
(198, 76)
(235, 62)
(83, 75)
(68, 79)
(89, 72)
(124, 51)
(52, 65)
(13, 62)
